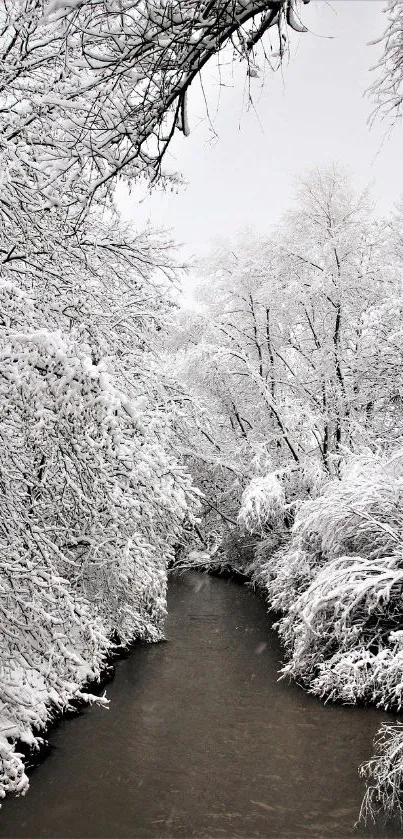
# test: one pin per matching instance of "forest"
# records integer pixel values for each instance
(259, 431)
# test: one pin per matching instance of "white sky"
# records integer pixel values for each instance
(240, 165)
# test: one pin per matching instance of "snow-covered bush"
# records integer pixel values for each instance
(269, 503)
(339, 584)
(269, 506)
(51, 644)
(341, 632)
(280, 573)
(360, 514)
(262, 504)
(341, 621)
(384, 775)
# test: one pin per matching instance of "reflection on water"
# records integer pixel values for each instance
(201, 740)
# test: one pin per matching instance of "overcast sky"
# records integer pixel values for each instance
(240, 162)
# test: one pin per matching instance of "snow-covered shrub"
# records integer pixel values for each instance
(342, 624)
(282, 568)
(269, 503)
(384, 775)
(51, 643)
(262, 504)
(341, 631)
(281, 573)
(360, 514)
(339, 584)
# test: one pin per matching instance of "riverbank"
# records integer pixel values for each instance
(353, 665)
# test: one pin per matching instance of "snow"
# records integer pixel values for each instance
(263, 502)
(93, 500)
(97, 441)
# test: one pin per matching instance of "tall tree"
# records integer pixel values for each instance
(284, 359)
(387, 90)
(92, 90)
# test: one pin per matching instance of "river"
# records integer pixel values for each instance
(201, 740)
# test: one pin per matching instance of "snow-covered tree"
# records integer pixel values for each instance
(339, 266)
(387, 90)
(94, 490)
(93, 500)
(289, 355)
(90, 91)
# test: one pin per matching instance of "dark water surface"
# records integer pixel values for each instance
(201, 740)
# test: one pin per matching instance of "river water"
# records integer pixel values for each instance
(201, 740)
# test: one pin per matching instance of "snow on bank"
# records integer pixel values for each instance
(338, 583)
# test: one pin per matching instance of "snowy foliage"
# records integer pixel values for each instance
(94, 488)
(280, 573)
(92, 91)
(384, 774)
(91, 506)
(357, 515)
(340, 627)
(296, 358)
(339, 632)
(262, 504)
(387, 90)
